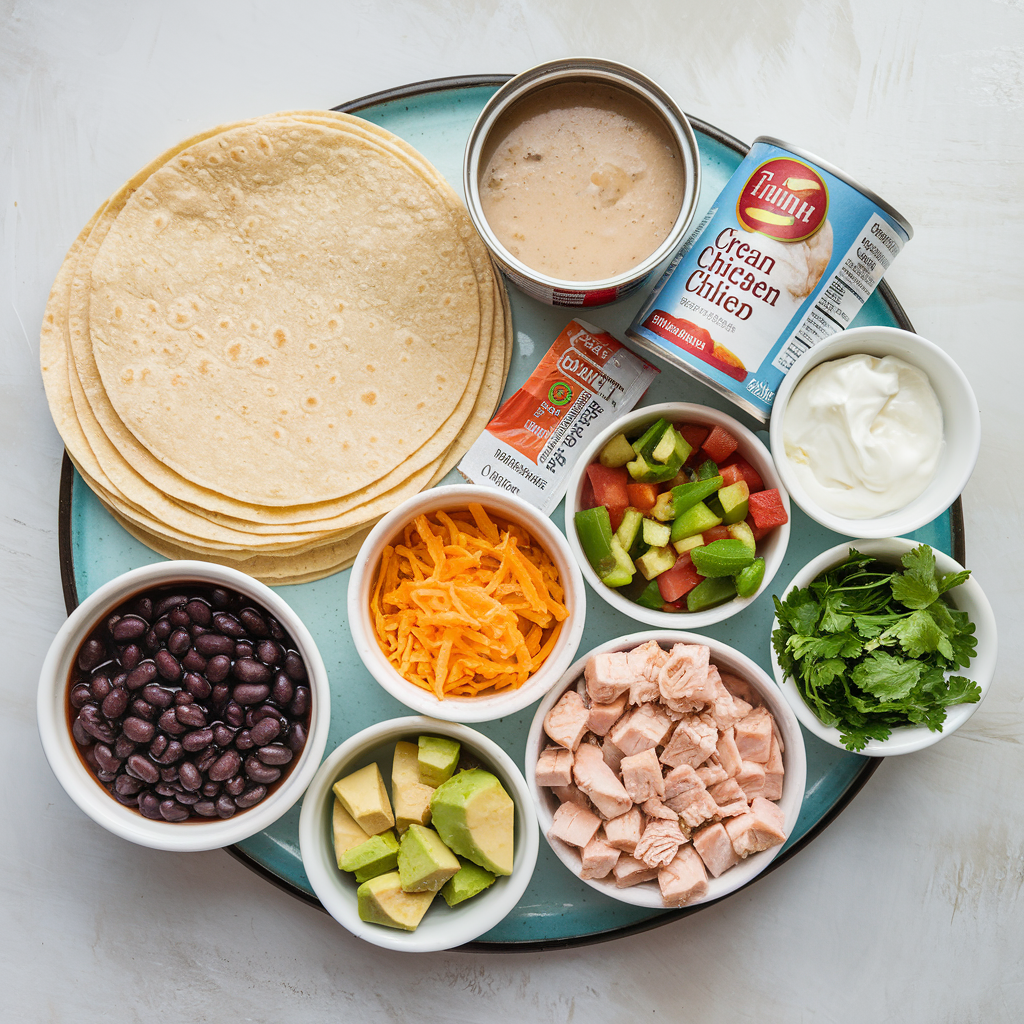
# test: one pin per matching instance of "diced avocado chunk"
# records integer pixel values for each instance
(424, 862)
(734, 502)
(672, 446)
(474, 817)
(382, 900)
(378, 854)
(467, 882)
(655, 561)
(363, 795)
(623, 571)
(347, 832)
(656, 534)
(694, 520)
(632, 520)
(437, 757)
(617, 452)
(410, 797)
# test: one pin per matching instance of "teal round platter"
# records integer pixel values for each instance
(557, 910)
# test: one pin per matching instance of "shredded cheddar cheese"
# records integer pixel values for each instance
(466, 603)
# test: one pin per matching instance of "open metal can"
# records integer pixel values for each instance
(671, 124)
(786, 256)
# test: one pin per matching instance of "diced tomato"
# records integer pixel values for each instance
(587, 499)
(730, 475)
(766, 509)
(694, 435)
(716, 533)
(756, 530)
(642, 496)
(720, 444)
(678, 581)
(737, 464)
(610, 489)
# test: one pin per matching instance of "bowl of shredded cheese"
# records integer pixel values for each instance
(466, 604)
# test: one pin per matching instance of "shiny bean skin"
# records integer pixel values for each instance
(82, 738)
(168, 721)
(244, 740)
(128, 786)
(254, 622)
(203, 762)
(163, 606)
(234, 715)
(294, 667)
(207, 808)
(191, 715)
(197, 740)
(211, 644)
(235, 786)
(169, 774)
(104, 776)
(244, 649)
(179, 642)
(115, 703)
(94, 725)
(199, 612)
(260, 772)
(251, 797)
(249, 670)
(99, 687)
(219, 696)
(218, 668)
(210, 789)
(296, 737)
(143, 709)
(183, 697)
(129, 628)
(274, 754)
(179, 618)
(225, 806)
(159, 745)
(92, 654)
(223, 734)
(143, 673)
(171, 810)
(167, 665)
(131, 656)
(193, 661)
(105, 758)
(264, 731)
(144, 607)
(162, 629)
(190, 776)
(188, 799)
(228, 625)
(174, 752)
(299, 706)
(250, 693)
(80, 695)
(268, 652)
(123, 747)
(157, 695)
(149, 806)
(142, 768)
(225, 766)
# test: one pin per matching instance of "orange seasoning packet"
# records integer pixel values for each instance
(466, 603)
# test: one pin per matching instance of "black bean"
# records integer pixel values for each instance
(128, 628)
(204, 759)
(296, 737)
(228, 625)
(80, 695)
(127, 786)
(128, 799)
(159, 745)
(138, 730)
(207, 808)
(171, 810)
(195, 630)
(158, 695)
(168, 721)
(94, 724)
(164, 605)
(294, 666)
(191, 715)
(254, 622)
(218, 668)
(169, 774)
(189, 776)
(260, 772)
(210, 789)
(244, 740)
(219, 696)
(267, 711)
(299, 707)
(211, 644)
(249, 670)
(265, 730)
(100, 686)
(143, 673)
(193, 661)
(250, 693)
(105, 758)
(234, 715)
(225, 766)
(93, 653)
(104, 776)
(179, 642)
(244, 649)
(219, 597)
(164, 788)
(223, 735)
(235, 786)
(179, 618)
(82, 738)
(115, 703)
(131, 656)
(174, 752)
(183, 697)
(275, 629)
(251, 796)
(284, 689)
(274, 754)
(197, 739)
(199, 612)
(167, 665)
(225, 806)
(151, 641)
(143, 709)
(142, 768)
(123, 746)
(268, 652)
(144, 607)
(162, 629)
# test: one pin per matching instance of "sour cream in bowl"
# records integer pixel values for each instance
(875, 432)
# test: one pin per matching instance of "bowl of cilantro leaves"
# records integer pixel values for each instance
(883, 646)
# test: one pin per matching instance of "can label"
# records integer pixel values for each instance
(787, 256)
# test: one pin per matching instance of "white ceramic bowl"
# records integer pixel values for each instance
(772, 548)
(968, 597)
(442, 927)
(648, 894)
(486, 707)
(961, 420)
(78, 780)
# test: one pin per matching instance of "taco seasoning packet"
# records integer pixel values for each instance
(585, 380)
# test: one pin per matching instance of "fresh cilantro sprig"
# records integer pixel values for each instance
(871, 649)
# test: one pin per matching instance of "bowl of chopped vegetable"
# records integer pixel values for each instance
(418, 835)
(466, 604)
(677, 516)
(869, 642)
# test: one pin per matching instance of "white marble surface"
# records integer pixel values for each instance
(909, 907)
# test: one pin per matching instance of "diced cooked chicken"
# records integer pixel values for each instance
(603, 716)
(566, 722)
(729, 797)
(641, 775)
(684, 879)
(715, 848)
(711, 771)
(754, 736)
(624, 831)
(645, 726)
(751, 779)
(724, 708)
(598, 858)
(572, 794)
(645, 663)
(554, 767)
(740, 688)
(693, 740)
(688, 797)
(611, 754)
(684, 677)
(761, 828)
(607, 676)
(599, 782)
(727, 753)
(659, 843)
(655, 807)
(773, 773)
(574, 825)
(630, 871)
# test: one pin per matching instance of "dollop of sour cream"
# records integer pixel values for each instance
(863, 435)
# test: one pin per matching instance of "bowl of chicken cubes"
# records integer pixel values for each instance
(666, 768)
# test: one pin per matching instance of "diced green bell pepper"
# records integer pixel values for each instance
(696, 519)
(710, 592)
(594, 529)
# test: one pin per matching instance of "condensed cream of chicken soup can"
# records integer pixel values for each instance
(658, 115)
(786, 256)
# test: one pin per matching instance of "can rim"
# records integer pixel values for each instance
(626, 78)
(842, 176)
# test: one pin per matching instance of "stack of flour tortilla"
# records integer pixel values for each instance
(271, 336)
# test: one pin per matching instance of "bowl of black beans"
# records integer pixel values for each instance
(184, 706)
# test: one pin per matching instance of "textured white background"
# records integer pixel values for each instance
(909, 907)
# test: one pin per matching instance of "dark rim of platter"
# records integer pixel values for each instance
(67, 572)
